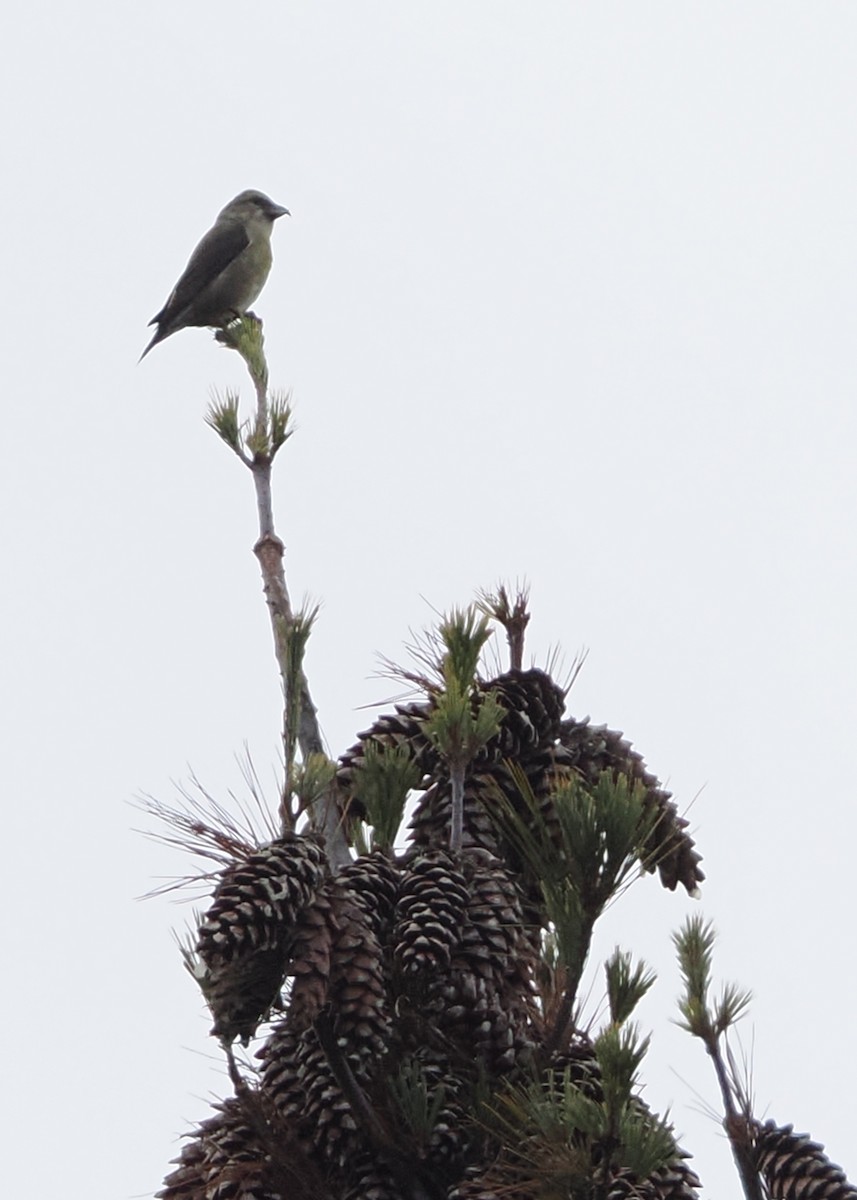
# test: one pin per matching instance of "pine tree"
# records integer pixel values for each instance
(417, 1003)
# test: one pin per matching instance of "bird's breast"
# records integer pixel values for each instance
(239, 284)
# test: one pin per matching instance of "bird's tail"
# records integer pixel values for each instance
(160, 334)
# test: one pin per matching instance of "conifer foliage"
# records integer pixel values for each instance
(416, 1053)
(403, 955)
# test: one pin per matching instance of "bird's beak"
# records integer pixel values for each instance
(277, 210)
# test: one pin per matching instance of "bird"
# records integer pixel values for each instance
(227, 270)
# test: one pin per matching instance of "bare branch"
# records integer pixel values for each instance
(269, 432)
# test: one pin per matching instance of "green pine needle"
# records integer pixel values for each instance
(311, 780)
(648, 1141)
(258, 441)
(461, 722)
(571, 925)
(602, 830)
(731, 1007)
(222, 417)
(626, 985)
(556, 1136)
(382, 782)
(620, 1051)
(463, 634)
(280, 416)
(419, 1105)
(694, 944)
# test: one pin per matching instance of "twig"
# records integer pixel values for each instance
(263, 442)
(736, 1125)
(513, 615)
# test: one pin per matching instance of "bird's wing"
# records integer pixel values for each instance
(220, 246)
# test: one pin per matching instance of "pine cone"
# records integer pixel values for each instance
(357, 994)
(487, 997)
(325, 1116)
(374, 883)
(368, 885)
(223, 1158)
(451, 1136)
(796, 1168)
(591, 750)
(669, 848)
(297, 1075)
(299, 1082)
(429, 915)
(244, 938)
(310, 955)
(579, 1060)
(534, 705)
(624, 1185)
(676, 1181)
(283, 1069)
(369, 1179)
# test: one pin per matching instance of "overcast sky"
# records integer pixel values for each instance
(568, 292)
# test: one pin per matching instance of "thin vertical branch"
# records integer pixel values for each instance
(694, 943)
(247, 338)
(456, 832)
(736, 1126)
(261, 469)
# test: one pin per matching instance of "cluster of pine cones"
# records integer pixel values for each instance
(406, 987)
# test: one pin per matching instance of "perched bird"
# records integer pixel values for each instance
(227, 270)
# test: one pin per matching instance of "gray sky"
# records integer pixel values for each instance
(568, 292)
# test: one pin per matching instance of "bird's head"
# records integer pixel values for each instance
(253, 206)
